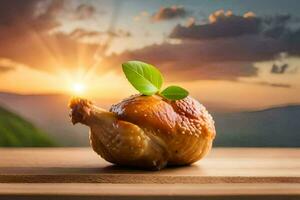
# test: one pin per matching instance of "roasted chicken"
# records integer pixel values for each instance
(148, 132)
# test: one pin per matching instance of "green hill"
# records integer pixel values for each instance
(17, 132)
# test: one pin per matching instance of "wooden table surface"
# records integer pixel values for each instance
(78, 173)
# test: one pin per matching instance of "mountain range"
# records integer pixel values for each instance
(274, 127)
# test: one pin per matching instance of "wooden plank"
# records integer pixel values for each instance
(235, 173)
(151, 190)
(83, 165)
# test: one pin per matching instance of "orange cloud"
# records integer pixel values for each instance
(166, 13)
(28, 37)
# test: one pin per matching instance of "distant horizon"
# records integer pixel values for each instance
(221, 108)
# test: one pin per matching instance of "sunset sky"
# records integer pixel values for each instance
(239, 53)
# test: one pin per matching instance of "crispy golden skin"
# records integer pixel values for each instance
(148, 131)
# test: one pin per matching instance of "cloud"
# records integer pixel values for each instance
(83, 34)
(275, 31)
(80, 33)
(276, 26)
(293, 40)
(280, 65)
(33, 37)
(20, 14)
(47, 20)
(221, 25)
(226, 55)
(48, 52)
(7, 65)
(28, 38)
(248, 48)
(12, 11)
(84, 11)
(279, 69)
(4, 69)
(278, 85)
(167, 13)
(191, 61)
(225, 48)
(119, 33)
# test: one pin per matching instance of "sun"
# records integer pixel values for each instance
(76, 82)
(78, 88)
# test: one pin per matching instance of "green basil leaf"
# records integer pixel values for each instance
(174, 93)
(143, 77)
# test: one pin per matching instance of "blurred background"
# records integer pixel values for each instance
(240, 58)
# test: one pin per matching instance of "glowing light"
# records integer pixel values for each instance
(78, 88)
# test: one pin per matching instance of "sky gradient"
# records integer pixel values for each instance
(244, 54)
